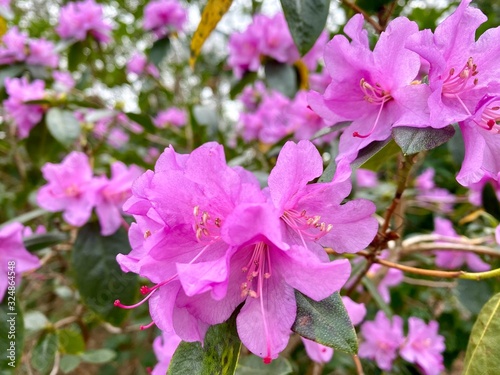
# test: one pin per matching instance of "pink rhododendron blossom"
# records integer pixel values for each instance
(455, 259)
(112, 194)
(164, 347)
(423, 346)
(373, 89)
(71, 188)
(303, 120)
(40, 229)
(476, 190)
(313, 214)
(164, 17)
(244, 50)
(276, 39)
(382, 339)
(320, 81)
(251, 96)
(366, 178)
(175, 117)
(428, 195)
(42, 52)
(323, 354)
(12, 249)
(80, 19)
(138, 64)
(63, 81)
(13, 48)
(24, 116)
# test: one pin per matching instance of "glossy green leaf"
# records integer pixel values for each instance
(253, 365)
(69, 363)
(44, 352)
(11, 331)
(98, 356)
(63, 125)
(306, 20)
(219, 354)
(159, 50)
(376, 154)
(281, 77)
(71, 341)
(484, 343)
(99, 279)
(414, 140)
(490, 201)
(44, 240)
(325, 322)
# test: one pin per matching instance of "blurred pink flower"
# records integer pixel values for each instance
(83, 18)
(14, 46)
(382, 339)
(428, 195)
(423, 346)
(164, 17)
(366, 178)
(63, 81)
(138, 64)
(24, 116)
(175, 117)
(164, 347)
(12, 249)
(42, 52)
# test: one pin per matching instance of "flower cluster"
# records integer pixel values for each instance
(24, 116)
(18, 47)
(81, 19)
(73, 189)
(164, 17)
(210, 239)
(381, 89)
(384, 337)
(12, 249)
(269, 37)
(175, 117)
(271, 116)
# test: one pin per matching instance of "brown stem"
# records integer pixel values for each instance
(368, 19)
(484, 250)
(357, 362)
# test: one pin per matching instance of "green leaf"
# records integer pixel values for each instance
(11, 331)
(71, 341)
(9, 72)
(414, 140)
(473, 294)
(44, 240)
(253, 365)
(98, 356)
(325, 322)
(23, 218)
(281, 77)
(484, 344)
(219, 354)
(306, 20)
(63, 125)
(376, 154)
(35, 321)
(143, 120)
(75, 56)
(98, 276)
(159, 50)
(69, 363)
(490, 201)
(42, 147)
(44, 352)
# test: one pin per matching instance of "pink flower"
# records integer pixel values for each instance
(164, 17)
(323, 354)
(382, 339)
(24, 116)
(366, 178)
(455, 259)
(138, 63)
(430, 196)
(374, 90)
(42, 52)
(175, 117)
(424, 346)
(276, 40)
(71, 188)
(164, 347)
(112, 194)
(63, 81)
(14, 257)
(303, 120)
(244, 50)
(253, 95)
(476, 190)
(82, 18)
(13, 48)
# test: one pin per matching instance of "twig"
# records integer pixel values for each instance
(357, 362)
(484, 250)
(368, 19)
(430, 283)
(437, 237)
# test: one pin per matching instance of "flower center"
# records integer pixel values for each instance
(306, 226)
(72, 191)
(204, 226)
(375, 95)
(490, 118)
(257, 269)
(462, 81)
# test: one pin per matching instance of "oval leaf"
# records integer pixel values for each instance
(98, 356)
(219, 354)
(11, 332)
(42, 358)
(159, 50)
(483, 348)
(99, 278)
(281, 77)
(63, 126)
(212, 14)
(414, 140)
(306, 20)
(325, 322)
(44, 240)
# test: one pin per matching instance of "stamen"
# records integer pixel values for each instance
(142, 328)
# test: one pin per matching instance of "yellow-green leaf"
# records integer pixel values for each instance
(483, 352)
(212, 14)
